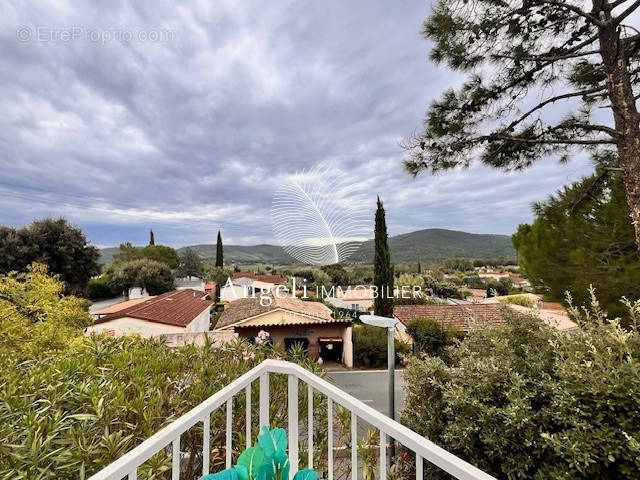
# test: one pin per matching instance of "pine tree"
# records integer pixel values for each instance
(219, 256)
(543, 77)
(383, 270)
(152, 240)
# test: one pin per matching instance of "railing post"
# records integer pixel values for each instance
(247, 414)
(330, 438)
(419, 465)
(293, 424)
(383, 455)
(310, 425)
(228, 445)
(354, 446)
(133, 475)
(175, 459)
(264, 401)
(206, 449)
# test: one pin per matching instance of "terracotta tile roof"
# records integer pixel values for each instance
(276, 279)
(178, 308)
(120, 306)
(209, 286)
(463, 317)
(246, 308)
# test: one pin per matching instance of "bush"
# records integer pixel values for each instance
(528, 301)
(99, 288)
(69, 415)
(153, 276)
(429, 336)
(526, 401)
(499, 287)
(370, 346)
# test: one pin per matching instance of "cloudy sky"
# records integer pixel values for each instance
(185, 117)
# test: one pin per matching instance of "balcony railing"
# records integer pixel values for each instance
(424, 450)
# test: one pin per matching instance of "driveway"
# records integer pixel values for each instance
(370, 387)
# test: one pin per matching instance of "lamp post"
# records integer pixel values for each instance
(391, 324)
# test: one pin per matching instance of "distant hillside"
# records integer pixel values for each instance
(430, 245)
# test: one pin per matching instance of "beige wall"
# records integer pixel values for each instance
(144, 328)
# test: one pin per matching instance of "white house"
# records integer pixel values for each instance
(179, 311)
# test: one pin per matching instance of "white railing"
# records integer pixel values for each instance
(127, 465)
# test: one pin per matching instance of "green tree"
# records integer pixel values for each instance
(62, 247)
(383, 270)
(429, 336)
(190, 263)
(338, 274)
(219, 253)
(159, 253)
(526, 401)
(154, 277)
(582, 236)
(152, 240)
(543, 77)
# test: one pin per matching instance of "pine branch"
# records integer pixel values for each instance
(576, 10)
(545, 58)
(626, 13)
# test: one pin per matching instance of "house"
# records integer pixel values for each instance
(243, 285)
(178, 311)
(461, 317)
(291, 321)
(359, 298)
(193, 283)
(118, 307)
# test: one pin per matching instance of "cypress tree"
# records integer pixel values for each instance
(383, 271)
(152, 240)
(219, 257)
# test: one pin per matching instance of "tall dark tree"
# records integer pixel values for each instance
(543, 77)
(59, 245)
(219, 255)
(152, 240)
(583, 236)
(383, 270)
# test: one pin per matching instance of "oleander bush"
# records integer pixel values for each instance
(430, 336)
(525, 401)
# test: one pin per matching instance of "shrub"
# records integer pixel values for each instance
(66, 416)
(526, 401)
(370, 346)
(528, 301)
(154, 276)
(99, 288)
(429, 336)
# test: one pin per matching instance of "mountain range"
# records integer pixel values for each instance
(427, 246)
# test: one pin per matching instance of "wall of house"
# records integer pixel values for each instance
(201, 323)
(231, 293)
(129, 326)
(311, 333)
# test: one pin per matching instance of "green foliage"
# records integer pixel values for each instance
(442, 289)
(152, 238)
(62, 247)
(370, 346)
(583, 236)
(523, 300)
(99, 288)
(499, 287)
(190, 263)
(219, 252)
(526, 401)
(474, 281)
(66, 416)
(153, 276)
(452, 265)
(337, 273)
(158, 253)
(429, 336)
(383, 270)
(34, 316)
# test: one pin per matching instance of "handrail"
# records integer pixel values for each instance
(407, 437)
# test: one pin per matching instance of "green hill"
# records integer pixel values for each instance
(430, 245)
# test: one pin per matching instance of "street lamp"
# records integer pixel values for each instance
(391, 324)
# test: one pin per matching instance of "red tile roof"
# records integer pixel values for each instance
(178, 308)
(209, 286)
(276, 279)
(462, 317)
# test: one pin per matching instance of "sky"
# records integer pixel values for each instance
(186, 117)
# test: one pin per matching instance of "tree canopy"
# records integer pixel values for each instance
(583, 236)
(158, 253)
(190, 263)
(542, 77)
(154, 277)
(63, 248)
(219, 251)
